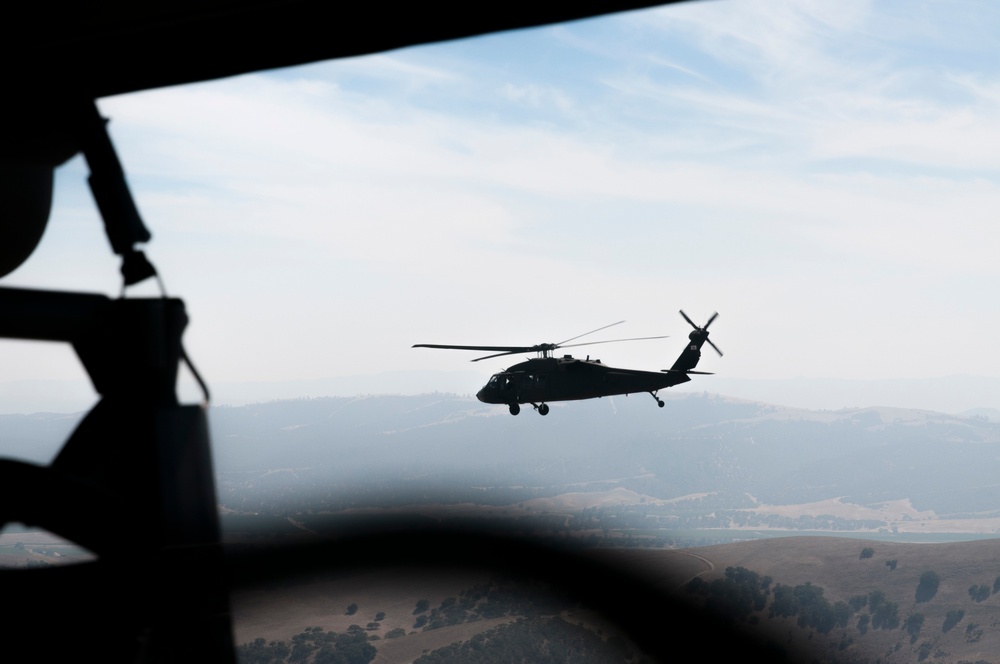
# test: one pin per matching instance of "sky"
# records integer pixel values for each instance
(822, 174)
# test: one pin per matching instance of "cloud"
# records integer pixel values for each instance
(794, 165)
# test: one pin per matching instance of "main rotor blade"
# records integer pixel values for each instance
(562, 343)
(502, 350)
(508, 352)
(612, 341)
(508, 349)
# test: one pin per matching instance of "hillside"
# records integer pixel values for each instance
(948, 625)
(955, 625)
(703, 463)
(687, 491)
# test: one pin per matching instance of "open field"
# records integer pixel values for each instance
(279, 612)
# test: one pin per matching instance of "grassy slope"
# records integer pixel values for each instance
(832, 563)
(835, 565)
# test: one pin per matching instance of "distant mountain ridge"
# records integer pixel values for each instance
(958, 394)
(697, 443)
(742, 460)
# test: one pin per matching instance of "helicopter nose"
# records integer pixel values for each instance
(481, 394)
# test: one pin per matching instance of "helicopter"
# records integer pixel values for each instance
(548, 378)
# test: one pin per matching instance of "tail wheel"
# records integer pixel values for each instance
(515, 409)
(543, 409)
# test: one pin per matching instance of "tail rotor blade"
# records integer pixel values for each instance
(702, 332)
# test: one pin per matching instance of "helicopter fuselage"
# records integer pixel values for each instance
(567, 379)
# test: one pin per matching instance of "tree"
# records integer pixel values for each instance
(841, 613)
(784, 603)
(301, 652)
(867, 552)
(422, 605)
(352, 609)
(886, 616)
(262, 652)
(928, 586)
(952, 618)
(913, 624)
(346, 649)
(380, 615)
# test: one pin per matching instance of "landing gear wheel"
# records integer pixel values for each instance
(659, 402)
(543, 409)
(515, 409)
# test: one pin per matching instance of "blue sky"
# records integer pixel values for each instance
(824, 174)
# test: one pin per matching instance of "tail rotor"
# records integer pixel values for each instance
(700, 334)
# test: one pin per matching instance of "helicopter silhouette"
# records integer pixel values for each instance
(547, 378)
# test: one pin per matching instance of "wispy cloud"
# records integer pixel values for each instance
(805, 167)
